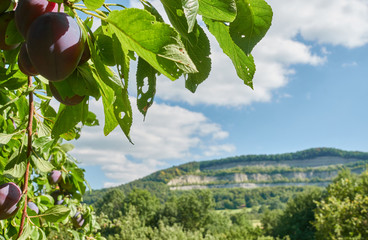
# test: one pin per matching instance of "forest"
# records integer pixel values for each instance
(338, 211)
(148, 209)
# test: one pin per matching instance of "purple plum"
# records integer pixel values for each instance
(33, 206)
(10, 195)
(28, 10)
(54, 177)
(24, 63)
(78, 220)
(55, 45)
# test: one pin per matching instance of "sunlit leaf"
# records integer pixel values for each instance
(155, 42)
(190, 8)
(220, 10)
(93, 4)
(56, 213)
(42, 165)
(251, 24)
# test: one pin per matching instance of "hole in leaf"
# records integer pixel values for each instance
(121, 115)
(145, 85)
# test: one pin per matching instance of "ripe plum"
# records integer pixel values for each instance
(10, 195)
(54, 177)
(24, 62)
(55, 45)
(78, 220)
(33, 206)
(28, 10)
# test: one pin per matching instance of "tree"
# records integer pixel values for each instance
(49, 50)
(342, 214)
(297, 218)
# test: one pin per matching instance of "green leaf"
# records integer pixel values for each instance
(93, 4)
(16, 167)
(42, 165)
(199, 50)
(85, 84)
(67, 147)
(13, 35)
(5, 138)
(115, 98)
(156, 42)
(105, 48)
(244, 64)
(220, 10)
(151, 9)
(196, 43)
(56, 214)
(190, 8)
(251, 24)
(146, 85)
(68, 117)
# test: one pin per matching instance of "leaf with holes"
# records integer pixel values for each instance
(196, 43)
(244, 64)
(146, 85)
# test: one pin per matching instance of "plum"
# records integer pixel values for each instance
(78, 220)
(55, 45)
(10, 195)
(4, 5)
(54, 177)
(5, 18)
(57, 200)
(24, 63)
(70, 101)
(28, 10)
(33, 206)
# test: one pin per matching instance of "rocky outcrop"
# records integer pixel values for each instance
(314, 162)
(253, 179)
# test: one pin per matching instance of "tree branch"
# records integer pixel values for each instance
(29, 151)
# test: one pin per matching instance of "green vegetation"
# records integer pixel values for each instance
(148, 209)
(336, 212)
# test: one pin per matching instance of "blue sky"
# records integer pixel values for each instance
(310, 90)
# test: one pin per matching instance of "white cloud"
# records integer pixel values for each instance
(168, 133)
(341, 22)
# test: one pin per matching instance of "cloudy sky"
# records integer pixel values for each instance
(310, 90)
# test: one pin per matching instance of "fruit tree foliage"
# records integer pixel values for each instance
(49, 50)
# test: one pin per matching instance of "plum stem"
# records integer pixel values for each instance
(98, 14)
(29, 151)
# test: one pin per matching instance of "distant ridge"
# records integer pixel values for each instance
(315, 166)
(317, 159)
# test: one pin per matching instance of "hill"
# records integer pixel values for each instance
(316, 166)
